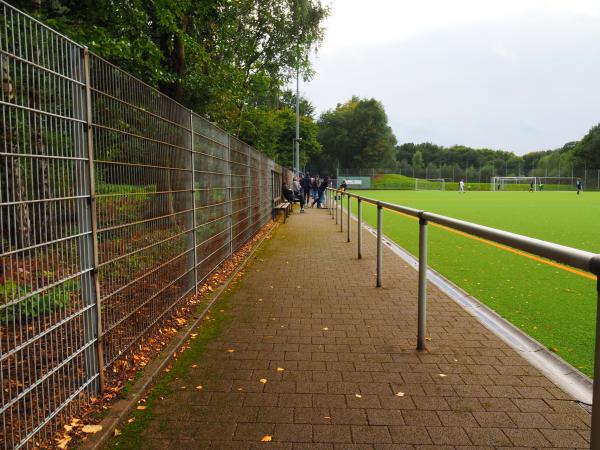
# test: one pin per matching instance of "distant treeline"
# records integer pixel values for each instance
(573, 157)
(356, 135)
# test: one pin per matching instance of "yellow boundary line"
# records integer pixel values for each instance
(506, 248)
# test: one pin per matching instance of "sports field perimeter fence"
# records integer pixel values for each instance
(477, 178)
(116, 203)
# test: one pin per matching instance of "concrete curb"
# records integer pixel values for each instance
(576, 384)
(122, 408)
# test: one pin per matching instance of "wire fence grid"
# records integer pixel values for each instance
(116, 203)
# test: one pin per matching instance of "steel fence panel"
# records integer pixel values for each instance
(47, 298)
(116, 202)
(144, 205)
(211, 196)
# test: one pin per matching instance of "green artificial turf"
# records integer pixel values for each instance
(556, 307)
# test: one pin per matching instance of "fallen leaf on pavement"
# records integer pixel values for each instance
(280, 369)
(91, 429)
(399, 394)
(267, 438)
(263, 380)
(199, 387)
(141, 407)
(358, 395)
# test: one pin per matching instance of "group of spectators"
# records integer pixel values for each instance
(306, 190)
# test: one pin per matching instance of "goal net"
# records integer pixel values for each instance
(514, 184)
(430, 184)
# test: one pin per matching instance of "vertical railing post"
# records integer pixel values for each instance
(336, 206)
(359, 230)
(193, 187)
(348, 224)
(379, 242)
(595, 431)
(422, 308)
(97, 360)
(341, 212)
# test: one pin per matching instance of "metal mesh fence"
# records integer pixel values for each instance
(115, 203)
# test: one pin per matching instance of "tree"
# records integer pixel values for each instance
(356, 135)
(216, 57)
(587, 151)
(417, 160)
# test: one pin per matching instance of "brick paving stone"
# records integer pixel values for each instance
(487, 436)
(332, 433)
(338, 336)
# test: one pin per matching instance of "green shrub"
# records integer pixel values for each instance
(34, 305)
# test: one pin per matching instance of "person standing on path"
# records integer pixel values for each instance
(322, 188)
(306, 187)
(315, 190)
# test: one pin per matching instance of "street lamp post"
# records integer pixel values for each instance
(297, 139)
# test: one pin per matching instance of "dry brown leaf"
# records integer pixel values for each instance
(358, 395)
(326, 328)
(63, 443)
(327, 417)
(194, 366)
(263, 380)
(68, 428)
(130, 420)
(428, 339)
(280, 369)
(260, 300)
(141, 407)
(91, 429)
(399, 394)
(199, 387)
(231, 350)
(117, 432)
(443, 375)
(75, 422)
(266, 438)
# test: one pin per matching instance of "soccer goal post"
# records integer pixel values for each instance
(430, 184)
(514, 184)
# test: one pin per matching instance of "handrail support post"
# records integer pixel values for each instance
(595, 429)
(348, 224)
(341, 212)
(379, 243)
(359, 230)
(422, 299)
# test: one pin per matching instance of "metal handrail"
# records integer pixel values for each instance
(580, 259)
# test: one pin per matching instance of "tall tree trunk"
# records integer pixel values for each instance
(18, 221)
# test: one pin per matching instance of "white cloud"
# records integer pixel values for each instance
(519, 75)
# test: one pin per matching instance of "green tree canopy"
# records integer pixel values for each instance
(356, 134)
(218, 57)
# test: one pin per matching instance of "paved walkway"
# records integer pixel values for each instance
(340, 367)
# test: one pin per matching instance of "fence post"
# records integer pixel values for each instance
(359, 231)
(422, 313)
(379, 242)
(193, 179)
(348, 224)
(229, 195)
(341, 212)
(97, 360)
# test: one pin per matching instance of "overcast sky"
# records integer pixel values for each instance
(519, 75)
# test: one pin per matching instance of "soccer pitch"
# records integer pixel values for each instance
(555, 306)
